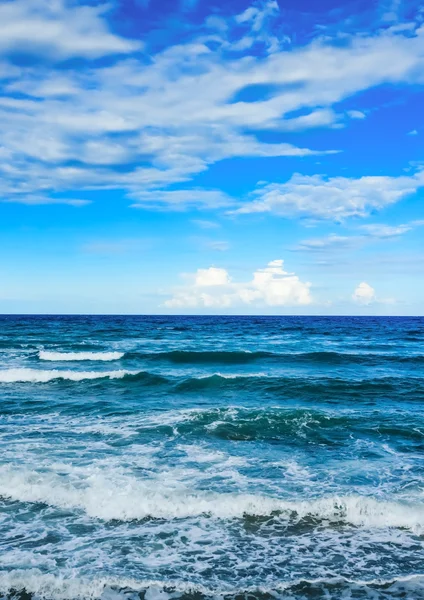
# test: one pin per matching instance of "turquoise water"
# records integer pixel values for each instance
(200, 457)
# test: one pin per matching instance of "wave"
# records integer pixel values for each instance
(20, 584)
(73, 356)
(332, 357)
(234, 357)
(205, 357)
(120, 496)
(123, 497)
(242, 424)
(302, 386)
(23, 375)
(231, 383)
(291, 426)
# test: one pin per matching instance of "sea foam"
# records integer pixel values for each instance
(123, 497)
(49, 586)
(75, 356)
(23, 375)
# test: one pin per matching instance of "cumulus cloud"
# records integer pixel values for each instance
(364, 294)
(214, 288)
(139, 125)
(211, 277)
(334, 198)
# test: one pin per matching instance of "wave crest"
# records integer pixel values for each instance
(23, 375)
(234, 357)
(28, 584)
(76, 356)
(125, 498)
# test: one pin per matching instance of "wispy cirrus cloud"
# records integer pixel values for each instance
(146, 123)
(180, 199)
(329, 242)
(219, 245)
(365, 234)
(382, 231)
(205, 224)
(35, 200)
(331, 198)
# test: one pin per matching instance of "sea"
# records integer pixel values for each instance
(225, 458)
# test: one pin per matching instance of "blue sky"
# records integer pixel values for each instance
(212, 157)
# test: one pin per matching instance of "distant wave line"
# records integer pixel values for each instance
(229, 356)
(76, 356)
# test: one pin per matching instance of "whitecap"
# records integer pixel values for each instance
(73, 356)
(121, 496)
(68, 587)
(23, 375)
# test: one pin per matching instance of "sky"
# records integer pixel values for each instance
(211, 157)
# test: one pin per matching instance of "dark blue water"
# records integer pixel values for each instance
(200, 457)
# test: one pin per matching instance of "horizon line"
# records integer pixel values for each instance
(208, 315)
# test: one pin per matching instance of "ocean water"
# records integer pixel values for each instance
(211, 457)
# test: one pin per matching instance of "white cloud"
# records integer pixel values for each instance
(205, 224)
(369, 233)
(380, 230)
(280, 288)
(220, 245)
(55, 85)
(256, 18)
(364, 294)
(392, 9)
(58, 29)
(316, 118)
(326, 243)
(215, 22)
(356, 114)
(180, 199)
(170, 117)
(413, 132)
(211, 277)
(334, 198)
(213, 287)
(39, 200)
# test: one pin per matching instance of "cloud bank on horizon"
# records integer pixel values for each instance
(214, 288)
(134, 132)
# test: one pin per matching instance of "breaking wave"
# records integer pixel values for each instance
(23, 375)
(123, 497)
(76, 356)
(20, 584)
